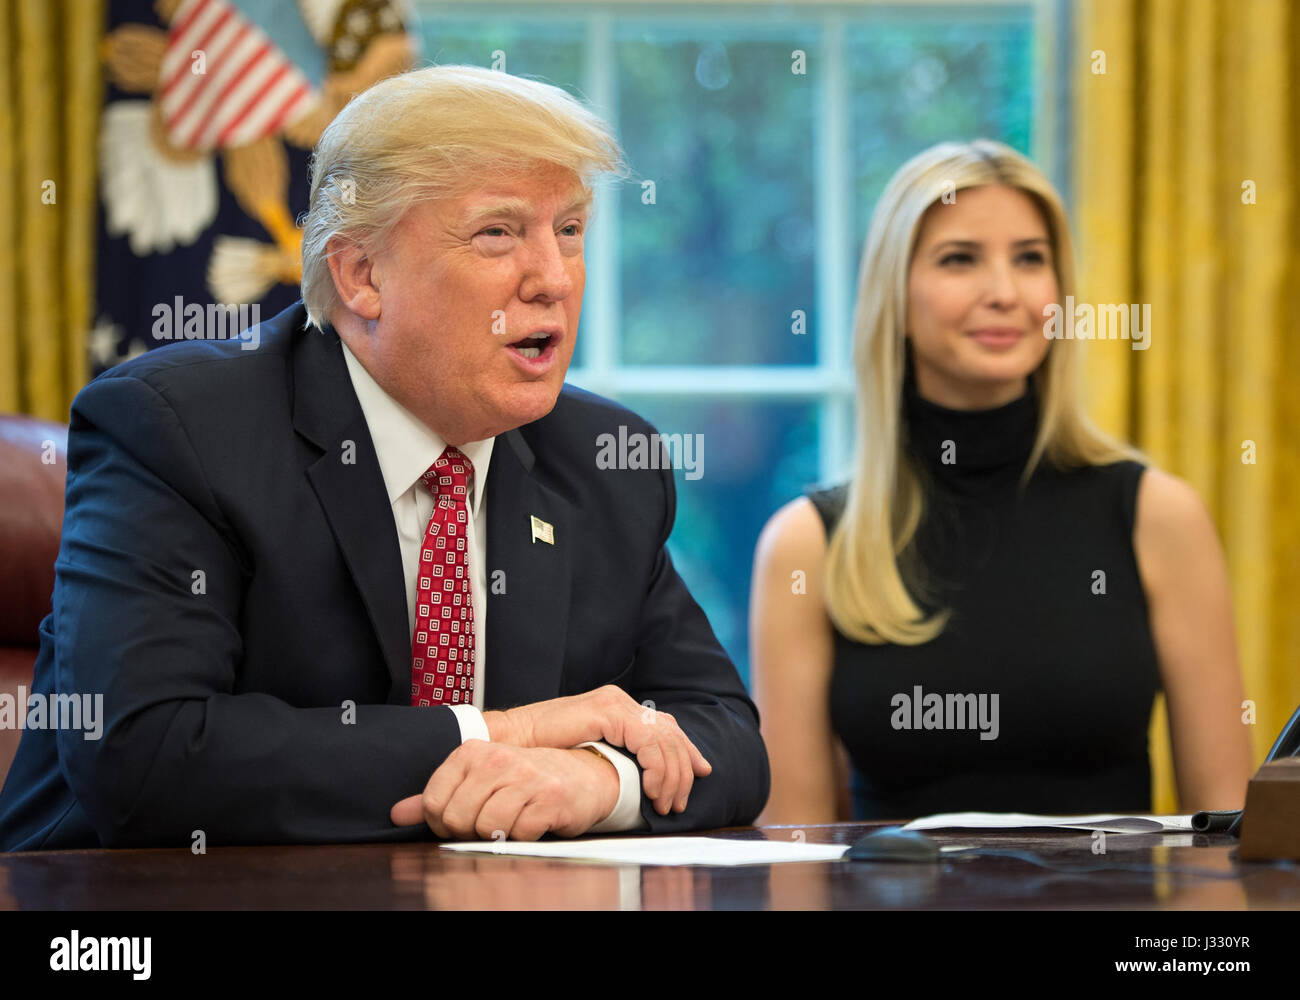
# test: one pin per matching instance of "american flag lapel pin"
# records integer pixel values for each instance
(542, 530)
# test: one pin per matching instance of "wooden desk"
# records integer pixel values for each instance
(419, 876)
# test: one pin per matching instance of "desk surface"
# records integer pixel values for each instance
(417, 876)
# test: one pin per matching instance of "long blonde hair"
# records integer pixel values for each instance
(867, 596)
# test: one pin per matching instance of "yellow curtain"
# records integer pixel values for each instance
(50, 95)
(1184, 161)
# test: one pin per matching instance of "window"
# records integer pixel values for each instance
(721, 275)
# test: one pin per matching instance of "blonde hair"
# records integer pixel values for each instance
(867, 596)
(428, 134)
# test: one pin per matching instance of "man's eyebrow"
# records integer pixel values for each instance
(511, 208)
(580, 202)
(976, 244)
(519, 208)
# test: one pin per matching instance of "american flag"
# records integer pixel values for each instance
(243, 87)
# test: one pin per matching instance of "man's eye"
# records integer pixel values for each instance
(573, 229)
(494, 231)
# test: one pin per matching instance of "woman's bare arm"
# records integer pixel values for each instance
(1186, 582)
(791, 650)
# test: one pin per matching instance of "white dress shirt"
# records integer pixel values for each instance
(406, 448)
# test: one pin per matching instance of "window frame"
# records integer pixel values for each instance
(829, 382)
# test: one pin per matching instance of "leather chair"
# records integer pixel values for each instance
(33, 469)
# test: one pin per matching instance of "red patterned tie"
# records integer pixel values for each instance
(442, 648)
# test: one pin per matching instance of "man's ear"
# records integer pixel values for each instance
(352, 270)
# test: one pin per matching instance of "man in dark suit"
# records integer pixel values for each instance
(367, 580)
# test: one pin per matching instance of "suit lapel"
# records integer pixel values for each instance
(350, 486)
(528, 581)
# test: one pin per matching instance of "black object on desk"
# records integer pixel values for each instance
(893, 843)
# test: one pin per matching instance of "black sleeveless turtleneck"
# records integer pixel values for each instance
(1047, 613)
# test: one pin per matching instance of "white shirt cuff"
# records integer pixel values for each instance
(472, 725)
(627, 811)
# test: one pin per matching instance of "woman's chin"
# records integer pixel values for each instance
(986, 365)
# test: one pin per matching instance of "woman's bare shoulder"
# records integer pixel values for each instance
(796, 531)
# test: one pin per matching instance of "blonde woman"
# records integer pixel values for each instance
(981, 617)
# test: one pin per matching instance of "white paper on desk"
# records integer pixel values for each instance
(714, 851)
(1108, 822)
